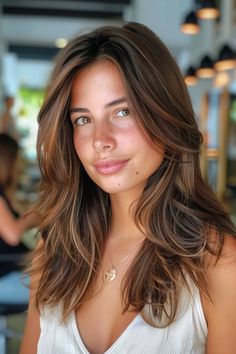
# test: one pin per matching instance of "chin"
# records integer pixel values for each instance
(112, 189)
(121, 187)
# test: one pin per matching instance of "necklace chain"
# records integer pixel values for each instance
(124, 259)
(111, 273)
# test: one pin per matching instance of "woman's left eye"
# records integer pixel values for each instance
(123, 112)
(82, 121)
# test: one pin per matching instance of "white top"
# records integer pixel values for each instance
(186, 335)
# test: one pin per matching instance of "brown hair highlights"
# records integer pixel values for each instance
(177, 209)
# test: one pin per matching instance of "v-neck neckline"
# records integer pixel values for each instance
(113, 346)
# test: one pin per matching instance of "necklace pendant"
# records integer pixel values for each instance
(110, 275)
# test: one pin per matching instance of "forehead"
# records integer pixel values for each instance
(100, 70)
(100, 79)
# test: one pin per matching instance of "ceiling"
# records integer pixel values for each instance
(105, 9)
(30, 27)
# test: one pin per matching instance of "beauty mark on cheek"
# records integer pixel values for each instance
(137, 172)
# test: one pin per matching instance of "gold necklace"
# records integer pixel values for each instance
(111, 273)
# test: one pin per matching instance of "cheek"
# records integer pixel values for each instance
(80, 144)
(157, 156)
(149, 159)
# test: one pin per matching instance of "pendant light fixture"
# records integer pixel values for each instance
(226, 59)
(208, 10)
(190, 77)
(190, 24)
(221, 79)
(203, 10)
(206, 69)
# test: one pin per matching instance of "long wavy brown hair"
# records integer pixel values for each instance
(177, 210)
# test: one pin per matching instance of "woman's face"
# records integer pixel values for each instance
(107, 139)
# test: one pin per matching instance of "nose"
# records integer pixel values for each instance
(104, 139)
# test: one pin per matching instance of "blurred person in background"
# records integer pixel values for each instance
(12, 226)
(7, 123)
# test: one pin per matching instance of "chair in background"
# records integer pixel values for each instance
(5, 332)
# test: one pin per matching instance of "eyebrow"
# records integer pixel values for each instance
(107, 105)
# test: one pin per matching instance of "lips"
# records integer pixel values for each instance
(106, 167)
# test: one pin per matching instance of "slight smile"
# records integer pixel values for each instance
(108, 166)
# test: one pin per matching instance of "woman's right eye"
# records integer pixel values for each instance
(82, 121)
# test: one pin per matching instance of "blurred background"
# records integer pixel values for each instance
(200, 34)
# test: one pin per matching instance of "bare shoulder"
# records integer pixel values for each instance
(220, 312)
(221, 276)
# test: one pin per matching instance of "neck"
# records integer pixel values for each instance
(124, 238)
(123, 226)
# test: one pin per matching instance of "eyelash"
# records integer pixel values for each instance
(123, 110)
(81, 118)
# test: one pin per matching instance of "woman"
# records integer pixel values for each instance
(135, 247)
(7, 122)
(12, 226)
